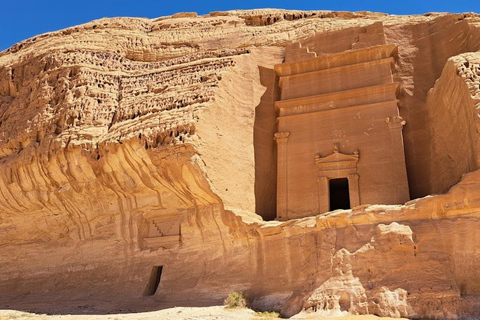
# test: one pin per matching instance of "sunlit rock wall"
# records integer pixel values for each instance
(132, 143)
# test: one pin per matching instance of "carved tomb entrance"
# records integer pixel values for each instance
(339, 195)
(347, 98)
(337, 180)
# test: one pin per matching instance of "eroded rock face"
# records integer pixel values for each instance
(132, 143)
(345, 293)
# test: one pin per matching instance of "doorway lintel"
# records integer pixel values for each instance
(336, 166)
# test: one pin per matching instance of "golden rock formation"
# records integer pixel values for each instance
(138, 168)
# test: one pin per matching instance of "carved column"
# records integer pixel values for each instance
(353, 190)
(323, 194)
(282, 206)
(399, 170)
(395, 124)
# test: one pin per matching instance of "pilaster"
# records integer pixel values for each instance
(353, 190)
(282, 202)
(323, 194)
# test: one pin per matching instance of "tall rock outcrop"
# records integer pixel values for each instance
(139, 154)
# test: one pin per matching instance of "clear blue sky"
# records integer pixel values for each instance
(22, 19)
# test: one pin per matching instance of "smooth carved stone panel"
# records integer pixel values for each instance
(345, 58)
(335, 100)
(349, 102)
(365, 128)
(360, 75)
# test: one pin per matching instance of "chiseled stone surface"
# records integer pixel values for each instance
(132, 143)
(347, 101)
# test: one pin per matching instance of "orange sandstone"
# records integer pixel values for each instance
(139, 169)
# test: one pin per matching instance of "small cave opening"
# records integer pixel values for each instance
(344, 302)
(154, 281)
(339, 194)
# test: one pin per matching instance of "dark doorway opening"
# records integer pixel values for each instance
(154, 281)
(339, 194)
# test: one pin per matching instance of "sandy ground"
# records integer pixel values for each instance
(177, 313)
(180, 313)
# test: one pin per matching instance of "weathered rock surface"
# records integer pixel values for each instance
(132, 143)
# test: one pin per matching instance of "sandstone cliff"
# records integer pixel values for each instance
(131, 143)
